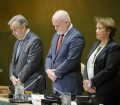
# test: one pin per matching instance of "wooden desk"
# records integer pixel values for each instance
(5, 101)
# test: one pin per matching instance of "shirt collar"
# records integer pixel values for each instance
(26, 33)
(68, 29)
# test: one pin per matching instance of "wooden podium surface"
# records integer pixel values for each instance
(5, 101)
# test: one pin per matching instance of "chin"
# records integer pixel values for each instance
(59, 33)
(97, 37)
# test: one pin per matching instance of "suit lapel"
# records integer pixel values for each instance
(15, 50)
(23, 46)
(55, 43)
(25, 41)
(65, 37)
(63, 41)
(93, 49)
(104, 49)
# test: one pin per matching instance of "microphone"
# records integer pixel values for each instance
(57, 90)
(32, 82)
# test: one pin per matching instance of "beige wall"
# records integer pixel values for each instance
(39, 12)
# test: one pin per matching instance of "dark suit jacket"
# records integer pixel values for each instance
(106, 68)
(67, 62)
(29, 64)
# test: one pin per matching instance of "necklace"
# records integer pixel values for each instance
(96, 54)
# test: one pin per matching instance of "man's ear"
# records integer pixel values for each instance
(108, 31)
(24, 25)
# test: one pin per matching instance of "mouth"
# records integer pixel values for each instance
(97, 34)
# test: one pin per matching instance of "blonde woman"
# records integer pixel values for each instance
(101, 74)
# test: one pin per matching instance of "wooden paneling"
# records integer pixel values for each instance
(39, 13)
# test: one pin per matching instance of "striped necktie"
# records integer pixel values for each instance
(59, 42)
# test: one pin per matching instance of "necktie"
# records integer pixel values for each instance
(59, 42)
(18, 48)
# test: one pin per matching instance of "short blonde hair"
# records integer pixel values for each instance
(108, 23)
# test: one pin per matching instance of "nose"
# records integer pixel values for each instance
(55, 28)
(96, 30)
(13, 33)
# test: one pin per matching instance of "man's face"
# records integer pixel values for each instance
(17, 30)
(60, 25)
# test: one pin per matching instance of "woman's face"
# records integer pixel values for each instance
(101, 32)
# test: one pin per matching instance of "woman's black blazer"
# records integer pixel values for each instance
(106, 68)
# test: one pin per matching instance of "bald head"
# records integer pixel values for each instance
(61, 21)
(61, 15)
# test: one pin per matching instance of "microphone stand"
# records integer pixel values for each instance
(19, 95)
(32, 82)
(58, 91)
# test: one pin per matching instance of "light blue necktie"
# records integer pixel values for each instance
(19, 48)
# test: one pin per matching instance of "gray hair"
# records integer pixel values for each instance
(18, 19)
